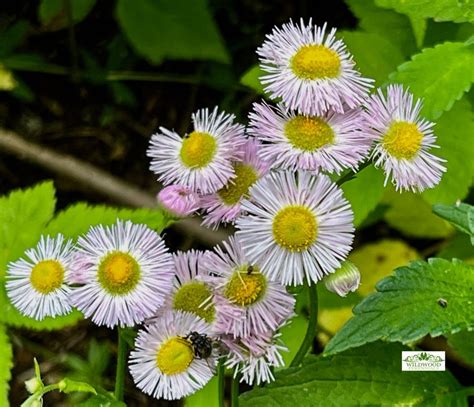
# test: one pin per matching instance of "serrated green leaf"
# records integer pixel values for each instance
(460, 215)
(205, 397)
(439, 10)
(6, 363)
(370, 180)
(410, 214)
(368, 376)
(439, 75)
(455, 132)
(178, 29)
(77, 219)
(406, 306)
(67, 385)
(463, 344)
(251, 78)
(52, 13)
(375, 56)
(394, 27)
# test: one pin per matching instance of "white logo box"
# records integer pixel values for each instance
(416, 361)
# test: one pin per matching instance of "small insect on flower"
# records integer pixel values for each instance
(173, 357)
(36, 285)
(402, 140)
(127, 272)
(311, 70)
(202, 160)
(178, 200)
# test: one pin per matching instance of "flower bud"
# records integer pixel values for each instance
(344, 280)
(33, 385)
(179, 200)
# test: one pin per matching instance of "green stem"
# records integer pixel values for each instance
(312, 325)
(234, 394)
(121, 362)
(221, 382)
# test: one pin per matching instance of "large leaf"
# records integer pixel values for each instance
(6, 363)
(370, 375)
(251, 78)
(440, 75)
(205, 397)
(439, 10)
(53, 13)
(178, 29)
(463, 343)
(455, 131)
(424, 298)
(461, 215)
(370, 180)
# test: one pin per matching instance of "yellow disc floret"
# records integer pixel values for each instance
(308, 133)
(402, 140)
(194, 297)
(198, 150)
(238, 187)
(118, 273)
(47, 276)
(245, 288)
(316, 62)
(174, 356)
(295, 228)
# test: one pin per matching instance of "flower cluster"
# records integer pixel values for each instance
(273, 182)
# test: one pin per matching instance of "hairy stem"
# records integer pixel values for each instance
(235, 391)
(121, 362)
(312, 325)
(221, 383)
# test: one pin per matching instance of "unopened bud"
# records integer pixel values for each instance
(344, 280)
(33, 385)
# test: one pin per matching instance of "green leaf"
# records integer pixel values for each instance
(251, 79)
(439, 10)
(410, 214)
(53, 16)
(178, 29)
(376, 57)
(463, 344)
(394, 27)
(6, 363)
(13, 36)
(458, 247)
(455, 131)
(439, 75)
(102, 400)
(77, 219)
(67, 385)
(370, 375)
(206, 397)
(406, 306)
(370, 180)
(418, 25)
(460, 215)
(292, 335)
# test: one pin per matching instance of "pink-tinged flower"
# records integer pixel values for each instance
(403, 140)
(202, 160)
(247, 303)
(178, 200)
(344, 280)
(36, 285)
(298, 227)
(311, 70)
(127, 272)
(253, 357)
(165, 363)
(224, 205)
(331, 142)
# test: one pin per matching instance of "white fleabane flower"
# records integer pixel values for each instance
(164, 363)
(311, 70)
(202, 160)
(298, 227)
(403, 140)
(331, 142)
(127, 272)
(36, 285)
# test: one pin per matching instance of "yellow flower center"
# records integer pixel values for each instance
(245, 287)
(198, 150)
(192, 297)
(238, 186)
(295, 228)
(315, 62)
(402, 140)
(47, 276)
(118, 273)
(308, 133)
(174, 356)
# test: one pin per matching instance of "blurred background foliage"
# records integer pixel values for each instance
(94, 79)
